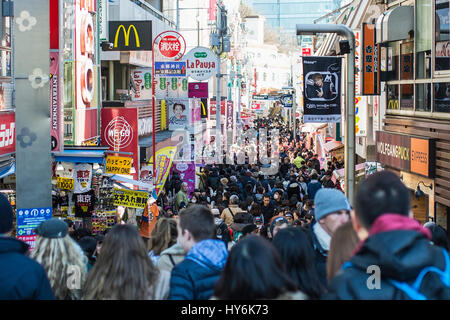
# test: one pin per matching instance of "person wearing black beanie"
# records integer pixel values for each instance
(21, 278)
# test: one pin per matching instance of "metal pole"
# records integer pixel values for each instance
(218, 99)
(294, 107)
(178, 15)
(343, 30)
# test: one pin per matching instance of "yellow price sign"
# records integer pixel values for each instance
(130, 198)
(65, 183)
(118, 165)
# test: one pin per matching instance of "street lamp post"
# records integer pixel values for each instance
(343, 30)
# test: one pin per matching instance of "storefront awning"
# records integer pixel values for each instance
(140, 184)
(80, 156)
(313, 127)
(7, 170)
(333, 145)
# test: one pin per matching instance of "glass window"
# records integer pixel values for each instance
(406, 61)
(423, 38)
(442, 35)
(407, 100)
(390, 61)
(392, 97)
(423, 97)
(442, 97)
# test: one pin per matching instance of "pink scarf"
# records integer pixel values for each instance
(392, 222)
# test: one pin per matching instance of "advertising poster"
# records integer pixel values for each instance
(178, 114)
(28, 220)
(196, 110)
(322, 89)
(142, 84)
(120, 131)
(130, 198)
(186, 171)
(86, 93)
(164, 159)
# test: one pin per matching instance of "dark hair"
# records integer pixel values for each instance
(69, 222)
(88, 244)
(199, 221)
(266, 195)
(255, 210)
(314, 176)
(179, 104)
(253, 271)
(438, 235)
(298, 258)
(382, 192)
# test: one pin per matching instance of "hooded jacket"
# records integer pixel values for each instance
(401, 248)
(21, 278)
(196, 276)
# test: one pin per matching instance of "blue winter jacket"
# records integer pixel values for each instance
(313, 187)
(21, 278)
(196, 276)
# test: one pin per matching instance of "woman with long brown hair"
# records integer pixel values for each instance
(124, 271)
(163, 236)
(342, 245)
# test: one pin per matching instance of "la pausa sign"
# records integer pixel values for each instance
(201, 63)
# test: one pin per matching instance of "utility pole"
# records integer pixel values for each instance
(223, 45)
(178, 15)
(343, 30)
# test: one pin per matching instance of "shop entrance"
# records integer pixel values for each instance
(419, 207)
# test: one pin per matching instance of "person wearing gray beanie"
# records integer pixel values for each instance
(331, 210)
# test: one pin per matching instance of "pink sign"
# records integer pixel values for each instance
(186, 171)
(54, 102)
(196, 111)
(198, 90)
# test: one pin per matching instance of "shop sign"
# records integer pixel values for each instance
(198, 90)
(412, 154)
(213, 109)
(130, 198)
(118, 165)
(170, 46)
(171, 88)
(204, 108)
(370, 78)
(170, 69)
(28, 220)
(142, 83)
(130, 35)
(360, 116)
(65, 183)
(287, 100)
(306, 51)
(55, 112)
(120, 131)
(7, 133)
(201, 63)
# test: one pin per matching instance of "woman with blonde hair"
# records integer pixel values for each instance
(123, 270)
(62, 258)
(163, 236)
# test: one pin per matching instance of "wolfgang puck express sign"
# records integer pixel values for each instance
(407, 153)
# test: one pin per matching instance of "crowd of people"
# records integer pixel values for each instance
(245, 235)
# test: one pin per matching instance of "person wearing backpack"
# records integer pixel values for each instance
(395, 260)
(233, 208)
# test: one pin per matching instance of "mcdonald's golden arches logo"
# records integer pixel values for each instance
(130, 35)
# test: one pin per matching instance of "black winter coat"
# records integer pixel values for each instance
(320, 254)
(401, 255)
(21, 278)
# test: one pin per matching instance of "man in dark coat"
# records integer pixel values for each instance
(21, 278)
(331, 210)
(195, 277)
(267, 209)
(395, 250)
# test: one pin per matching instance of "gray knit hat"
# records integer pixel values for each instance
(328, 201)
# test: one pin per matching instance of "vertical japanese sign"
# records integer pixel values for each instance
(164, 159)
(370, 78)
(321, 89)
(229, 123)
(86, 71)
(360, 101)
(120, 131)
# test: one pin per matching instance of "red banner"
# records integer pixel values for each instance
(7, 133)
(120, 132)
